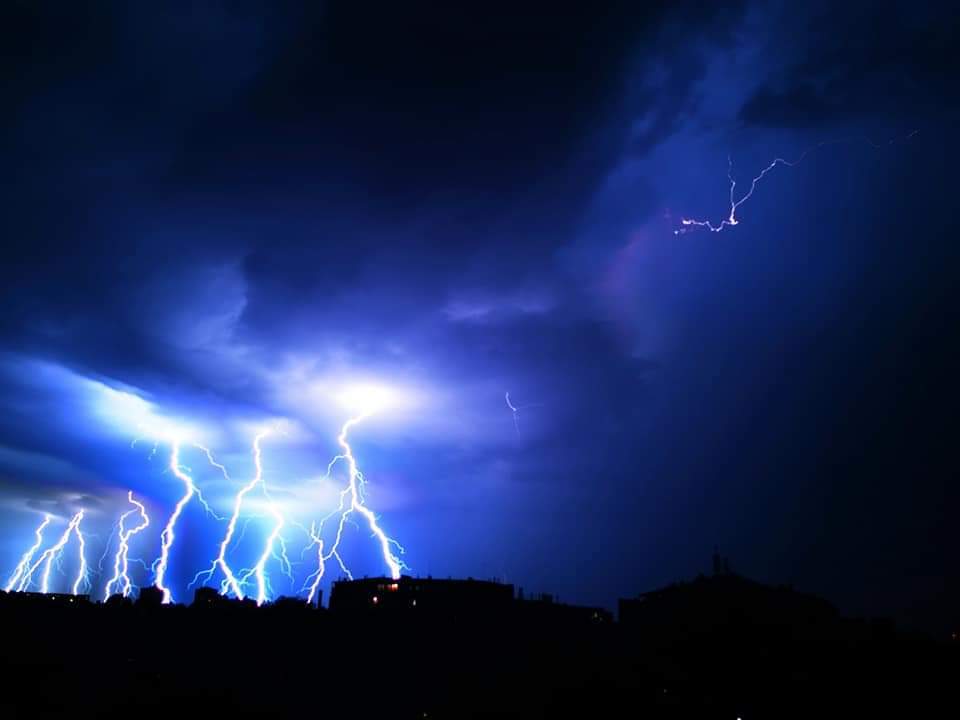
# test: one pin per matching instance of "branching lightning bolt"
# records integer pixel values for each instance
(106, 550)
(231, 582)
(351, 501)
(731, 220)
(312, 583)
(689, 224)
(238, 539)
(28, 555)
(274, 539)
(259, 569)
(515, 409)
(206, 451)
(82, 579)
(121, 562)
(52, 554)
(168, 536)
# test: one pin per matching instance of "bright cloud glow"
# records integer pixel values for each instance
(368, 398)
(351, 396)
(133, 415)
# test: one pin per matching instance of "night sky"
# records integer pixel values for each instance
(221, 216)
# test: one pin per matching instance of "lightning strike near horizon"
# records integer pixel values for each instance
(28, 555)
(230, 581)
(121, 560)
(352, 501)
(168, 536)
(53, 553)
(312, 583)
(689, 224)
(258, 571)
(82, 578)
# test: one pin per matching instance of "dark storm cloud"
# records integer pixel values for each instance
(66, 506)
(216, 208)
(260, 179)
(307, 146)
(42, 481)
(859, 58)
(205, 195)
(99, 100)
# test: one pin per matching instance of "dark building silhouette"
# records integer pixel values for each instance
(425, 596)
(715, 647)
(207, 597)
(118, 600)
(721, 565)
(291, 604)
(150, 597)
(723, 600)
(52, 598)
(435, 599)
(544, 608)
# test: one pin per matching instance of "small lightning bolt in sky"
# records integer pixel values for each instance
(53, 553)
(120, 582)
(28, 555)
(515, 409)
(352, 501)
(688, 224)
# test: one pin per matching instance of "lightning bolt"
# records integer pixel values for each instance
(351, 501)
(312, 583)
(106, 550)
(230, 582)
(243, 529)
(82, 578)
(689, 224)
(53, 553)
(28, 555)
(157, 439)
(515, 409)
(168, 536)
(259, 568)
(258, 571)
(121, 560)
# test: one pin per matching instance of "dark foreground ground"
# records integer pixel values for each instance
(80, 661)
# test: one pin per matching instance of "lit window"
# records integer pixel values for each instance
(375, 599)
(394, 587)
